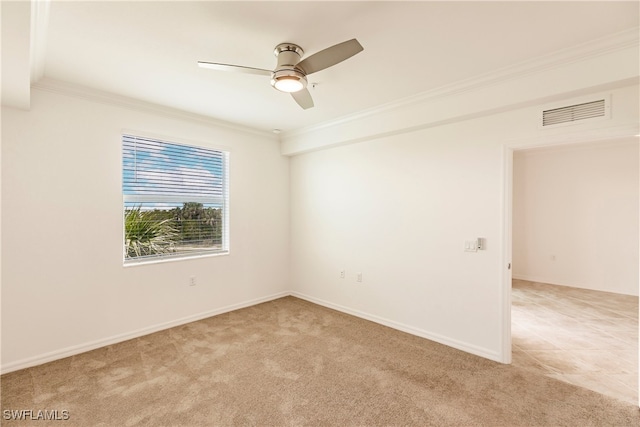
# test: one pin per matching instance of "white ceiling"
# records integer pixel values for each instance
(148, 50)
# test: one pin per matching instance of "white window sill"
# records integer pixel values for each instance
(135, 263)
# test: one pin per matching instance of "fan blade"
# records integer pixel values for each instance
(236, 68)
(330, 56)
(303, 98)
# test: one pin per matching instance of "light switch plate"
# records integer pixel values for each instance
(471, 246)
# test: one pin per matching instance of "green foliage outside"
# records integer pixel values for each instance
(145, 235)
(152, 232)
(198, 224)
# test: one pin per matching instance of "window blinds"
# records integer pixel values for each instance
(157, 168)
(179, 185)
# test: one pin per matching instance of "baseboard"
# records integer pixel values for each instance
(569, 285)
(548, 281)
(538, 279)
(466, 347)
(81, 348)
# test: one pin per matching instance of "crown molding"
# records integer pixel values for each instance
(82, 92)
(602, 46)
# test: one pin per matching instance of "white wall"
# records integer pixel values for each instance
(399, 208)
(64, 287)
(575, 216)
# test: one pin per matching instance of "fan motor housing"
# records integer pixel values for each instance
(288, 55)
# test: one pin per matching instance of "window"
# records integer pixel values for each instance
(175, 200)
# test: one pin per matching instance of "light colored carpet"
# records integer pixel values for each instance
(579, 336)
(290, 362)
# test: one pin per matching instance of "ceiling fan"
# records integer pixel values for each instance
(291, 70)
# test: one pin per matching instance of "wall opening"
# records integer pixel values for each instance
(574, 328)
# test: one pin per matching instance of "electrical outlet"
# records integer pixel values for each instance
(192, 281)
(342, 274)
(359, 277)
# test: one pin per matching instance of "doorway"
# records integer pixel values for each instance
(562, 240)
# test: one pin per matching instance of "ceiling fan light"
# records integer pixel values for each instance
(288, 84)
(288, 80)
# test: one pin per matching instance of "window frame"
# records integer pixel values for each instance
(223, 200)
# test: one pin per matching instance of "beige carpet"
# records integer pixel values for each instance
(579, 336)
(290, 362)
